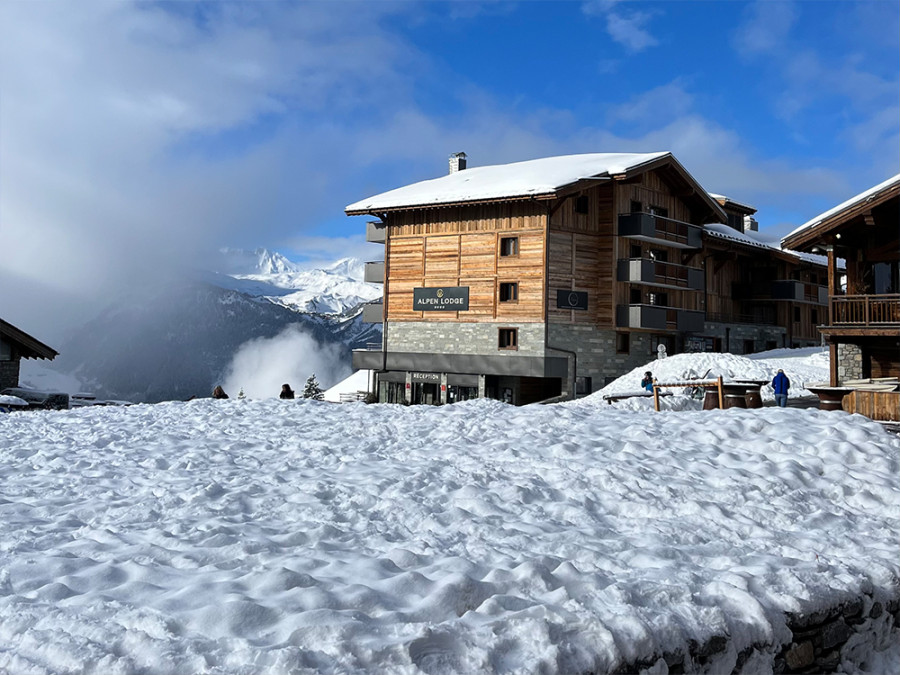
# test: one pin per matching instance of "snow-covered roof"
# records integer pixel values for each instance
(724, 199)
(532, 178)
(853, 201)
(725, 232)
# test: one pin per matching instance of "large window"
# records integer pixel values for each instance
(5, 350)
(508, 338)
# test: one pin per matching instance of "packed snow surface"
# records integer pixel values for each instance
(269, 536)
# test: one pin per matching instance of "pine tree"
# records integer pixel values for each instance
(312, 389)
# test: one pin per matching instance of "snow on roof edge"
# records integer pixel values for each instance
(862, 196)
(529, 178)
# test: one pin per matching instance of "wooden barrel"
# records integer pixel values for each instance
(753, 398)
(735, 400)
(711, 400)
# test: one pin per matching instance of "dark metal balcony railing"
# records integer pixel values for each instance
(662, 273)
(647, 225)
(659, 317)
(865, 310)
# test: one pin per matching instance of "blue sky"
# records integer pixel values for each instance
(138, 136)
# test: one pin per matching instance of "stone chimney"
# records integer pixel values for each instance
(457, 162)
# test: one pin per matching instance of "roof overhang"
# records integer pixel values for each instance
(27, 346)
(825, 228)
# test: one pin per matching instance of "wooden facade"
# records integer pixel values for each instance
(864, 311)
(631, 246)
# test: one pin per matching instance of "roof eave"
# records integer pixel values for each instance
(441, 205)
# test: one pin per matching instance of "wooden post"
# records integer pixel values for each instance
(656, 397)
(721, 395)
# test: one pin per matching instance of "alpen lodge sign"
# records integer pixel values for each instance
(441, 299)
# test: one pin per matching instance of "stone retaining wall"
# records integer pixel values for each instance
(819, 643)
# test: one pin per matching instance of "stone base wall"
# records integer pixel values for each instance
(850, 362)
(462, 338)
(9, 374)
(842, 635)
(596, 349)
(738, 333)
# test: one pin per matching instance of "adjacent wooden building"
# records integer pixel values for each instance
(550, 277)
(16, 345)
(862, 324)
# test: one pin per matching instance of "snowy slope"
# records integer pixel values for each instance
(296, 536)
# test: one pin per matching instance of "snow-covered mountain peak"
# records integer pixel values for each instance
(354, 268)
(259, 261)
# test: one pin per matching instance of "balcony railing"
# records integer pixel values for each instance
(659, 318)
(375, 272)
(373, 313)
(865, 310)
(648, 271)
(790, 289)
(376, 232)
(657, 228)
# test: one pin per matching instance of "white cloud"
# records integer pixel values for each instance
(627, 27)
(766, 27)
(259, 367)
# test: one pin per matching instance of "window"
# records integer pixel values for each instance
(623, 343)
(583, 386)
(659, 299)
(796, 315)
(735, 222)
(814, 316)
(508, 338)
(509, 246)
(5, 351)
(635, 251)
(634, 297)
(636, 207)
(659, 211)
(509, 291)
(659, 255)
(749, 347)
(581, 204)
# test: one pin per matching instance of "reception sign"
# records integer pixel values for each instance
(441, 299)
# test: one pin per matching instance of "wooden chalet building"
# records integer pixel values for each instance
(550, 277)
(862, 325)
(14, 346)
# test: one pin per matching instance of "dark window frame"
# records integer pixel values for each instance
(509, 247)
(511, 341)
(508, 292)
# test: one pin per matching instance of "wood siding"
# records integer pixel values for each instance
(460, 246)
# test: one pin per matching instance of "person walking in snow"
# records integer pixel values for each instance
(647, 382)
(286, 391)
(781, 384)
(218, 392)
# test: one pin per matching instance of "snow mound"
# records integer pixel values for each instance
(251, 536)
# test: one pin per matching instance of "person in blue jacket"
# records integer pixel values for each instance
(781, 384)
(647, 382)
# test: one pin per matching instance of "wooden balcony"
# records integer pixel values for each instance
(865, 311)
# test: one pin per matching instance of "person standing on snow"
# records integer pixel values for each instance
(781, 384)
(647, 382)
(286, 391)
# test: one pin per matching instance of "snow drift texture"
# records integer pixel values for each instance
(298, 536)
